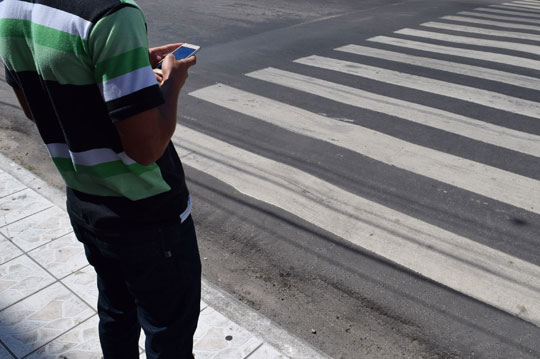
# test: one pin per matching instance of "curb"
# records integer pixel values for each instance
(239, 313)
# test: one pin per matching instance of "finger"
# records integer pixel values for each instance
(190, 61)
(165, 49)
(154, 60)
(154, 57)
(157, 53)
(169, 58)
(167, 64)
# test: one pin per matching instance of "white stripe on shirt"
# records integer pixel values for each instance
(128, 83)
(46, 16)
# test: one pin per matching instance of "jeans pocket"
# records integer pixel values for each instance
(179, 248)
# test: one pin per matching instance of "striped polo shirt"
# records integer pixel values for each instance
(82, 66)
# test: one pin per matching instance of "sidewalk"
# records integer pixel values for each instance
(48, 291)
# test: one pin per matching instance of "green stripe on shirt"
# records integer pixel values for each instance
(103, 41)
(104, 170)
(42, 35)
(122, 64)
(113, 179)
(52, 65)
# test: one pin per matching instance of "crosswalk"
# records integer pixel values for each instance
(516, 6)
(489, 56)
(473, 20)
(443, 88)
(523, 4)
(447, 66)
(497, 44)
(508, 11)
(507, 45)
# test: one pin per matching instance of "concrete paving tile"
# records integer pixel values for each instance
(203, 305)
(81, 342)
(8, 250)
(38, 229)
(21, 204)
(83, 282)
(62, 256)
(218, 337)
(4, 354)
(266, 351)
(20, 278)
(40, 318)
(9, 185)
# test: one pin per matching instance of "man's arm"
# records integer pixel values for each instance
(146, 135)
(23, 103)
(18, 92)
(142, 110)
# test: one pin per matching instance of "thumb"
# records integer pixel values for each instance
(167, 65)
(190, 61)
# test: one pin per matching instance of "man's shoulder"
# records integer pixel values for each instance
(91, 11)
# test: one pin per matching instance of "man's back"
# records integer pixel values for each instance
(83, 66)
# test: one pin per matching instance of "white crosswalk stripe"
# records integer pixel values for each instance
(443, 88)
(482, 31)
(508, 12)
(528, 2)
(447, 66)
(513, 7)
(531, 4)
(499, 17)
(459, 52)
(515, 4)
(491, 23)
(533, 49)
(491, 276)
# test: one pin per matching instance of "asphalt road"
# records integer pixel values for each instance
(298, 218)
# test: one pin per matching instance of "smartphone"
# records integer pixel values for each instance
(184, 51)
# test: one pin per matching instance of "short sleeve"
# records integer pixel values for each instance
(10, 79)
(118, 47)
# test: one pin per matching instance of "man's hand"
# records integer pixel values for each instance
(156, 54)
(146, 135)
(175, 72)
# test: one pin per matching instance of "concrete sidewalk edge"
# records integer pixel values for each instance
(258, 324)
(33, 181)
(223, 302)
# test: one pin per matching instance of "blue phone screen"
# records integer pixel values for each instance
(181, 53)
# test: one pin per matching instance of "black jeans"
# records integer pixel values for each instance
(149, 279)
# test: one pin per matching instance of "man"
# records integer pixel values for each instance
(82, 71)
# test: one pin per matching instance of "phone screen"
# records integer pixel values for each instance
(181, 53)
